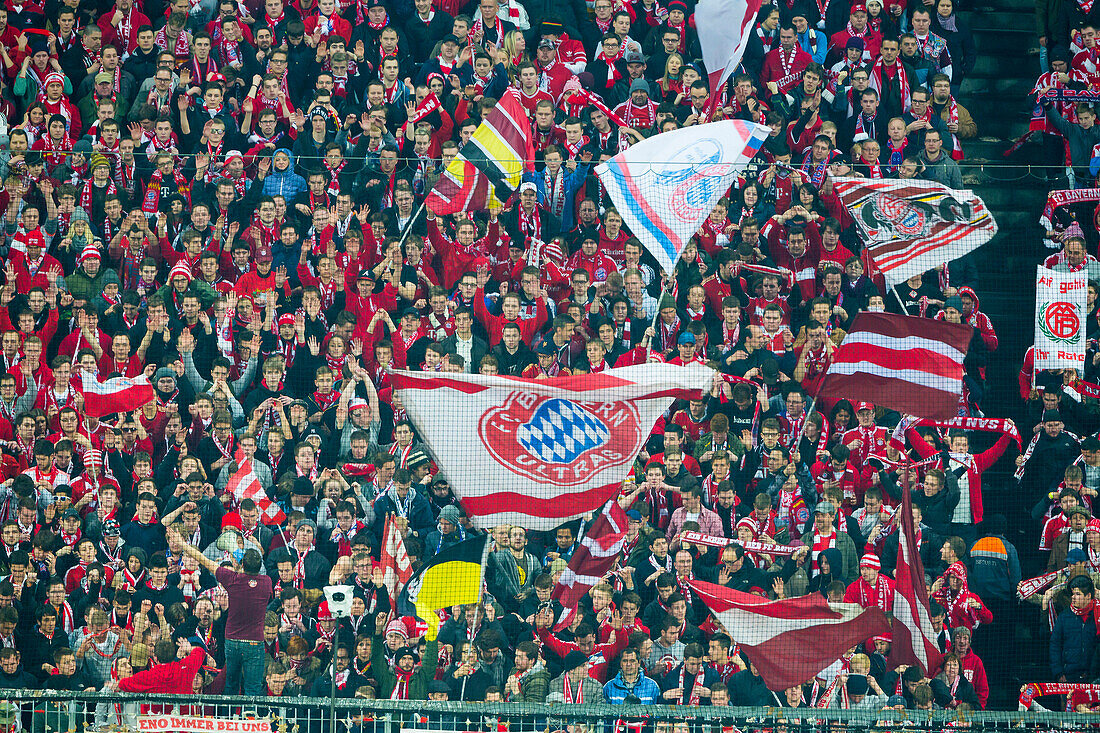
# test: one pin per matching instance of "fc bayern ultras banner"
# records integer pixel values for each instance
(912, 225)
(666, 186)
(1060, 309)
(540, 452)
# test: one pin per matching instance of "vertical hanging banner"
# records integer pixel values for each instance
(1060, 310)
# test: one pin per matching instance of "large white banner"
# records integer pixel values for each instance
(540, 452)
(1060, 311)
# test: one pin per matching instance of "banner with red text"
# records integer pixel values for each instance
(188, 724)
(1060, 311)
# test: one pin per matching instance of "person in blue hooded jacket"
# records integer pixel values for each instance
(282, 180)
(630, 685)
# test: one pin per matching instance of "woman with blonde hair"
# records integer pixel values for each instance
(515, 52)
(672, 86)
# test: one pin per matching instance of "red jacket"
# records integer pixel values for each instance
(601, 655)
(494, 325)
(974, 671)
(174, 678)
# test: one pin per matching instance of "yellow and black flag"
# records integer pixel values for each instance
(490, 166)
(452, 577)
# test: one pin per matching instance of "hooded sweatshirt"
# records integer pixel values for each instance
(287, 184)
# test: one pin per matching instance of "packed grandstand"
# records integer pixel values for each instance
(218, 263)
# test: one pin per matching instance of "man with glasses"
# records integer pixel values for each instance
(322, 687)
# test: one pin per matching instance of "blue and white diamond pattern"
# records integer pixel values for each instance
(559, 431)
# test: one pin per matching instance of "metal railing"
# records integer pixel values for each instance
(39, 711)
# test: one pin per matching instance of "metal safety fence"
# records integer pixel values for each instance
(67, 712)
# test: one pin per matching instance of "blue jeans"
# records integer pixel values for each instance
(244, 662)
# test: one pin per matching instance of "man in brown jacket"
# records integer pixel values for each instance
(954, 115)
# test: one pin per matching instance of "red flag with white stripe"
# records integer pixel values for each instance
(244, 484)
(912, 365)
(724, 28)
(912, 635)
(790, 640)
(395, 563)
(117, 394)
(913, 225)
(541, 452)
(592, 560)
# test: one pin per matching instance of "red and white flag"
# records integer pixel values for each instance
(790, 640)
(909, 364)
(591, 561)
(540, 452)
(117, 394)
(912, 635)
(244, 484)
(912, 225)
(724, 28)
(395, 563)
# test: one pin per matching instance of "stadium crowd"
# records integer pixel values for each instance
(213, 194)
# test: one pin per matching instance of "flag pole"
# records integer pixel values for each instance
(409, 226)
(671, 274)
(477, 608)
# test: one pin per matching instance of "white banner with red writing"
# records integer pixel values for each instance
(188, 724)
(987, 424)
(767, 548)
(1060, 309)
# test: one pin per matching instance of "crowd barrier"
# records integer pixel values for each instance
(66, 712)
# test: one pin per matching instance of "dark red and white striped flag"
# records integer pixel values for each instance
(790, 640)
(912, 637)
(395, 563)
(912, 365)
(117, 394)
(591, 561)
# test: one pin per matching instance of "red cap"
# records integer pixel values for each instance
(864, 406)
(34, 237)
(231, 519)
(286, 319)
(263, 254)
(858, 8)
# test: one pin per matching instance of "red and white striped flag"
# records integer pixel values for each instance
(912, 225)
(395, 563)
(117, 394)
(724, 28)
(541, 452)
(591, 561)
(790, 640)
(909, 364)
(244, 484)
(912, 635)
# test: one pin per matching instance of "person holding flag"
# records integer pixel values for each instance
(249, 593)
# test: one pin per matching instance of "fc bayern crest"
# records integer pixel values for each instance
(567, 442)
(698, 171)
